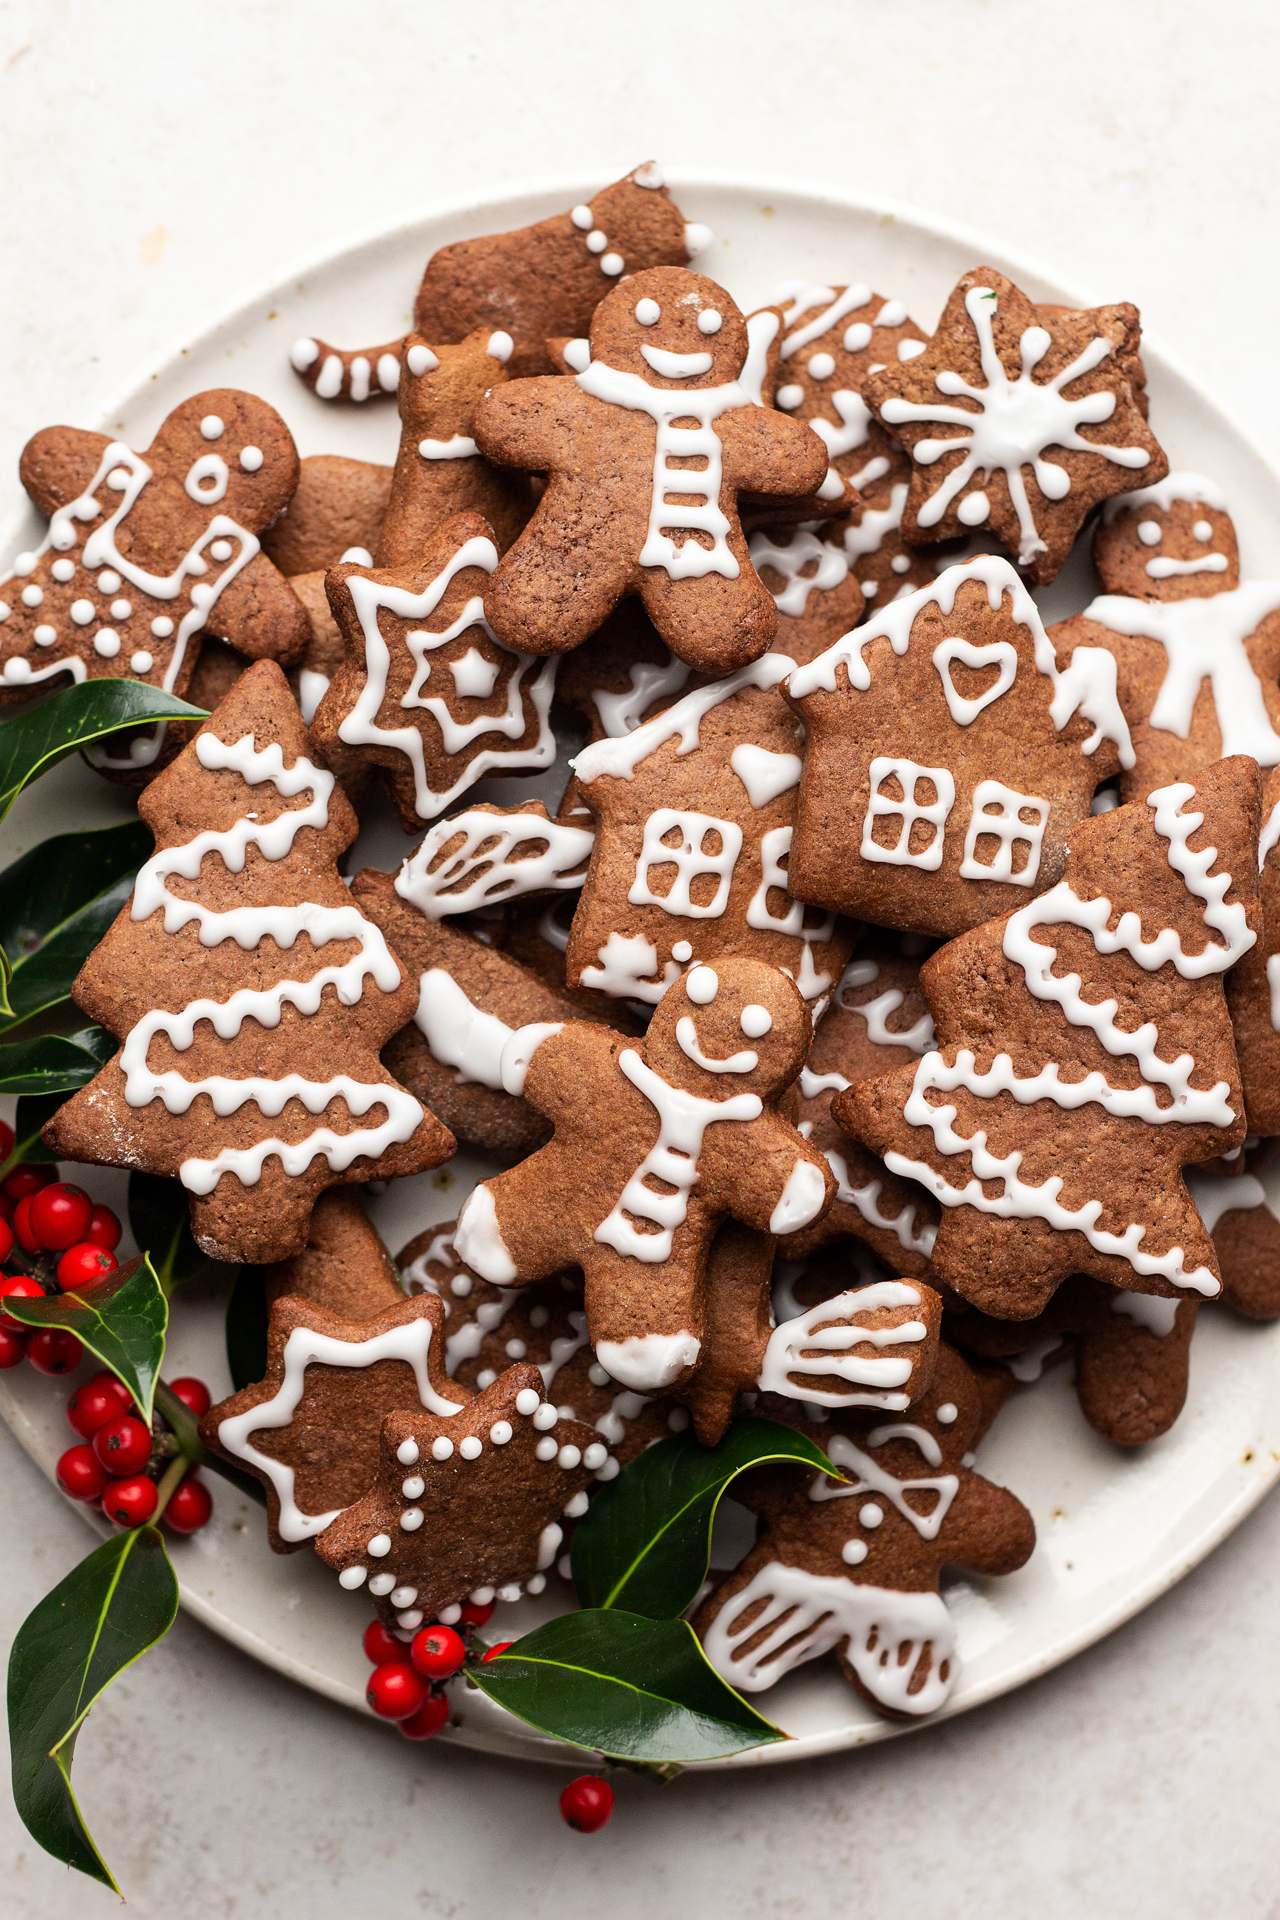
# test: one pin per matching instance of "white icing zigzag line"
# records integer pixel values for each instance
(1018, 420)
(248, 926)
(492, 875)
(360, 726)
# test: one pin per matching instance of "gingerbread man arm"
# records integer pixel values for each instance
(259, 614)
(58, 463)
(790, 1184)
(565, 1065)
(988, 1530)
(767, 452)
(533, 423)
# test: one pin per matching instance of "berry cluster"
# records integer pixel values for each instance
(53, 1229)
(117, 1463)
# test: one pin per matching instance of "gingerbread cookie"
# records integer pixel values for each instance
(623, 674)
(532, 283)
(439, 470)
(668, 349)
(818, 596)
(145, 554)
(1052, 1132)
(670, 1118)
(486, 856)
(1016, 418)
(706, 872)
(862, 1578)
(344, 1266)
(427, 693)
(1012, 743)
(338, 504)
(1253, 985)
(1232, 1201)
(233, 1089)
(1173, 541)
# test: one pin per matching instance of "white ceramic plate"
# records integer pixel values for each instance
(1115, 1530)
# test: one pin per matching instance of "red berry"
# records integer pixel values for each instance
(428, 1720)
(6, 1207)
(123, 1446)
(92, 1405)
(499, 1646)
(190, 1506)
(85, 1264)
(26, 1180)
(395, 1691)
(6, 1139)
(60, 1215)
(474, 1615)
(23, 1231)
(12, 1347)
(80, 1475)
(381, 1646)
(586, 1804)
(105, 1378)
(130, 1502)
(437, 1652)
(22, 1287)
(54, 1350)
(6, 1239)
(104, 1229)
(194, 1395)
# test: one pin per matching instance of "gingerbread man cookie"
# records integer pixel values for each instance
(674, 378)
(249, 1065)
(145, 554)
(588, 1198)
(338, 504)
(1017, 418)
(1052, 1132)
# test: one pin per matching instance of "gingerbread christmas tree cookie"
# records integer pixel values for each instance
(251, 996)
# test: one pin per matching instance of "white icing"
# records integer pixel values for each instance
(907, 812)
(648, 1363)
(433, 885)
(1017, 421)
(765, 775)
(687, 1041)
(621, 713)
(1000, 654)
(1009, 830)
(801, 1200)
(1174, 486)
(819, 1342)
(460, 447)
(1150, 1310)
(866, 1200)
(627, 964)
(458, 1033)
(803, 550)
(479, 1242)
(618, 758)
(873, 1478)
(690, 859)
(834, 308)
(518, 1052)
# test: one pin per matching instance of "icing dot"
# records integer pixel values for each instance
(1203, 531)
(597, 1375)
(857, 337)
(577, 1506)
(500, 1432)
(973, 509)
(702, 986)
(353, 1577)
(5, 609)
(211, 427)
(582, 218)
(678, 1419)
(388, 377)
(650, 174)
(612, 263)
(412, 1489)
(485, 1378)
(597, 241)
(610, 1470)
(545, 1417)
(106, 643)
(891, 314)
(449, 1616)
(118, 479)
(162, 627)
(63, 570)
(121, 609)
(536, 1584)
(422, 360)
(538, 1316)
(251, 458)
(546, 1449)
(407, 1453)
(870, 588)
(871, 1515)
(515, 1349)
(509, 1593)
(500, 347)
(596, 1455)
(697, 237)
(441, 1448)
(853, 1552)
(44, 636)
(141, 662)
(404, 1596)
(379, 1546)
(682, 951)
(821, 367)
(382, 1583)
(481, 1595)
(25, 563)
(32, 596)
(220, 550)
(911, 349)
(946, 1413)
(472, 1447)
(570, 1457)
(460, 1285)
(755, 1021)
(709, 321)
(527, 1401)
(1150, 533)
(789, 398)
(356, 557)
(648, 312)
(411, 1519)
(411, 1619)
(901, 563)
(108, 582)
(303, 354)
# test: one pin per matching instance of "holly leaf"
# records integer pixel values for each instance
(108, 1611)
(56, 903)
(37, 739)
(122, 1321)
(161, 1221)
(33, 1110)
(54, 1063)
(631, 1688)
(645, 1543)
(246, 1328)
(6, 982)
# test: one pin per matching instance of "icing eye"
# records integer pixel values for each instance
(946, 1413)
(702, 986)
(1149, 533)
(709, 321)
(212, 427)
(251, 458)
(422, 360)
(789, 397)
(755, 1021)
(1203, 531)
(821, 367)
(648, 312)
(208, 478)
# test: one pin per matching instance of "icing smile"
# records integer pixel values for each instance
(676, 366)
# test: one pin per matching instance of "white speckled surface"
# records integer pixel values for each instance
(162, 162)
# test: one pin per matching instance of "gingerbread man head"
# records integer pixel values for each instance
(739, 1025)
(673, 328)
(1173, 541)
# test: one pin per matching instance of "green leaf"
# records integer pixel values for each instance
(33, 1110)
(54, 1064)
(43, 735)
(109, 1611)
(56, 903)
(631, 1688)
(6, 981)
(122, 1321)
(160, 1216)
(247, 1328)
(645, 1544)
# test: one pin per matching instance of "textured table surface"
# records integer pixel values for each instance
(160, 163)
